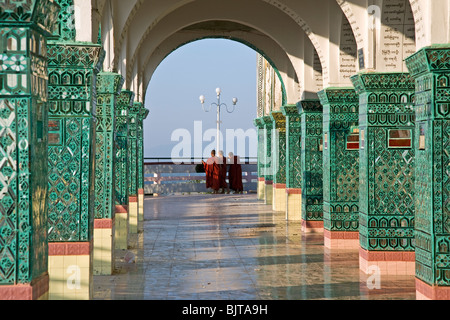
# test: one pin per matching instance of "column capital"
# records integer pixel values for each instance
(382, 81)
(435, 58)
(135, 108)
(279, 120)
(289, 110)
(144, 113)
(71, 54)
(267, 122)
(109, 82)
(338, 95)
(124, 102)
(312, 105)
(259, 123)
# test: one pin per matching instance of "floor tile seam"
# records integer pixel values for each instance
(255, 286)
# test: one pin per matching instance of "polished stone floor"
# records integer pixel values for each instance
(233, 247)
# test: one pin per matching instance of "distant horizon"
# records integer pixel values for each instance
(195, 69)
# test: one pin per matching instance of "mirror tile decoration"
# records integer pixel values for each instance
(386, 198)
(341, 165)
(311, 112)
(430, 68)
(109, 86)
(24, 28)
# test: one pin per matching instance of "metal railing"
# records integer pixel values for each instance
(193, 160)
(164, 176)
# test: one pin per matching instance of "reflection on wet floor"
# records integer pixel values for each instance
(228, 247)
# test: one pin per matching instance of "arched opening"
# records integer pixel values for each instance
(194, 69)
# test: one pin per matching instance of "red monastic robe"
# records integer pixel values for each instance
(223, 173)
(235, 175)
(212, 171)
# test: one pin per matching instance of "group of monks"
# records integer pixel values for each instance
(216, 169)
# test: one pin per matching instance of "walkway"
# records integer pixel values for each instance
(231, 247)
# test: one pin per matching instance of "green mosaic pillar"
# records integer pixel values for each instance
(268, 160)
(430, 67)
(109, 86)
(259, 124)
(311, 112)
(386, 176)
(340, 167)
(133, 209)
(121, 166)
(293, 163)
(73, 69)
(24, 28)
(279, 160)
(140, 164)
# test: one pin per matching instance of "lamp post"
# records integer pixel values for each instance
(218, 105)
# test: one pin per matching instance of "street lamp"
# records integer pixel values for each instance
(218, 105)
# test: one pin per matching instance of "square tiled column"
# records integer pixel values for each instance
(24, 29)
(134, 163)
(340, 166)
(311, 113)
(143, 114)
(386, 177)
(73, 67)
(430, 68)
(259, 124)
(125, 101)
(279, 161)
(268, 161)
(293, 163)
(109, 86)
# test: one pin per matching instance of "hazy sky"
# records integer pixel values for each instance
(173, 95)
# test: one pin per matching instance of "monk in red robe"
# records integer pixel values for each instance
(235, 173)
(223, 173)
(212, 171)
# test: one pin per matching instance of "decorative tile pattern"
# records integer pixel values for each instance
(121, 172)
(387, 190)
(143, 114)
(73, 69)
(133, 140)
(430, 68)
(279, 147)
(312, 159)
(24, 26)
(268, 161)
(341, 166)
(109, 86)
(259, 124)
(293, 147)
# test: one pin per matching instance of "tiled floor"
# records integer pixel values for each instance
(228, 247)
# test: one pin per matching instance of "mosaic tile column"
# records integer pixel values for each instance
(133, 209)
(109, 86)
(386, 176)
(121, 167)
(259, 124)
(312, 165)
(71, 157)
(279, 160)
(293, 163)
(140, 181)
(73, 69)
(430, 67)
(340, 167)
(24, 28)
(268, 159)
